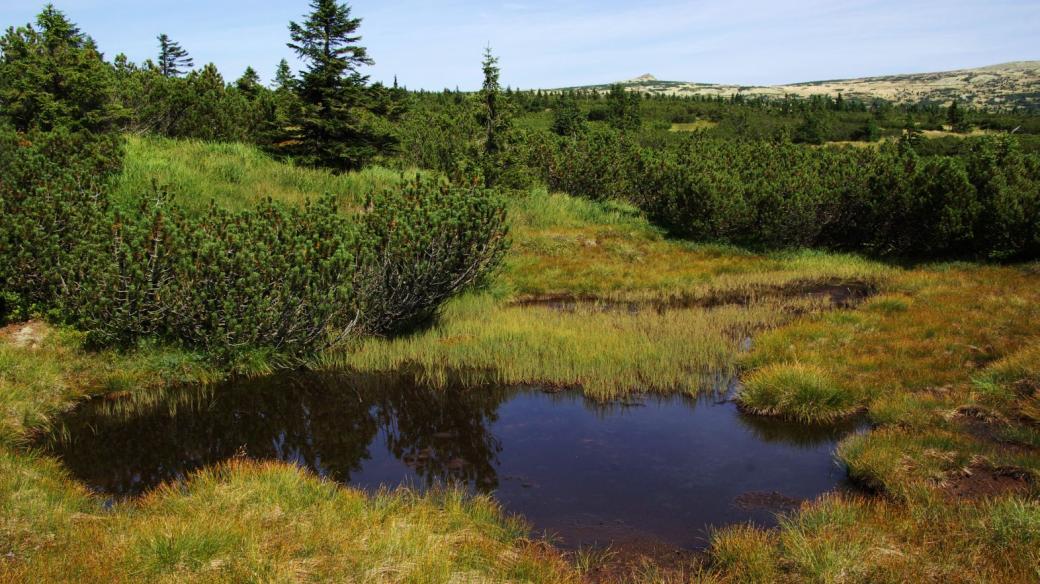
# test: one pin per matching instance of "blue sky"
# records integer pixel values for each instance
(546, 43)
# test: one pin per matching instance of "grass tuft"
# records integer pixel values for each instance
(796, 391)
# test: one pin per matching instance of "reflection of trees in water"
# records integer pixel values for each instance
(322, 421)
(768, 429)
(443, 434)
(328, 422)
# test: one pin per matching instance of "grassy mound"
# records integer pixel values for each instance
(234, 176)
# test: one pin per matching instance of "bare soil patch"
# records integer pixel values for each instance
(24, 334)
(989, 426)
(981, 479)
(836, 294)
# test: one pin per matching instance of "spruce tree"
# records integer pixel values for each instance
(623, 108)
(52, 76)
(911, 137)
(284, 80)
(249, 83)
(567, 118)
(490, 94)
(813, 129)
(955, 117)
(494, 116)
(336, 126)
(173, 59)
(871, 131)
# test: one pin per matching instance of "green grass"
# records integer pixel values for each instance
(234, 176)
(804, 393)
(945, 360)
(629, 310)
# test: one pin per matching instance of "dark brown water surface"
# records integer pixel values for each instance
(649, 468)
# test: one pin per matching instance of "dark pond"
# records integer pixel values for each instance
(648, 468)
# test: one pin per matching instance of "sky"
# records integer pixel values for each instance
(548, 44)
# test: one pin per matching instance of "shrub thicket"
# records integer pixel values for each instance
(283, 281)
(275, 279)
(52, 210)
(422, 244)
(982, 202)
(278, 280)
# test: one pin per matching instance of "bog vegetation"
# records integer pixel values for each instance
(159, 224)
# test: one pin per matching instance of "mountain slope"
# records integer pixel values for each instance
(1001, 86)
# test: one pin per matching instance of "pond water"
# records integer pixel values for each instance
(644, 468)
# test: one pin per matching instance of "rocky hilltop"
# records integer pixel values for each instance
(1004, 86)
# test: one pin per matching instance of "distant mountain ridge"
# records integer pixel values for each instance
(1003, 86)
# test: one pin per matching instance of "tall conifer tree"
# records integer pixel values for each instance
(283, 77)
(336, 126)
(249, 83)
(173, 59)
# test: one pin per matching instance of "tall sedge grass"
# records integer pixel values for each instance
(605, 352)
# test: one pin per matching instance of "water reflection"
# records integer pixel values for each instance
(644, 466)
(328, 423)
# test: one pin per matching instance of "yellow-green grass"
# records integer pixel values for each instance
(946, 362)
(604, 352)
(693, 126)
(257, 522)
(234, 176)
(914, 353)
(870, 539)
(243, 521)
(796, 391)
(691, 308)
(568, 246)
(43, 371)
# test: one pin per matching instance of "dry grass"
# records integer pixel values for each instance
(693, 126)
(947, 364)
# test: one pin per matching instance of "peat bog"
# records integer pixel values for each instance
(645, 468)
